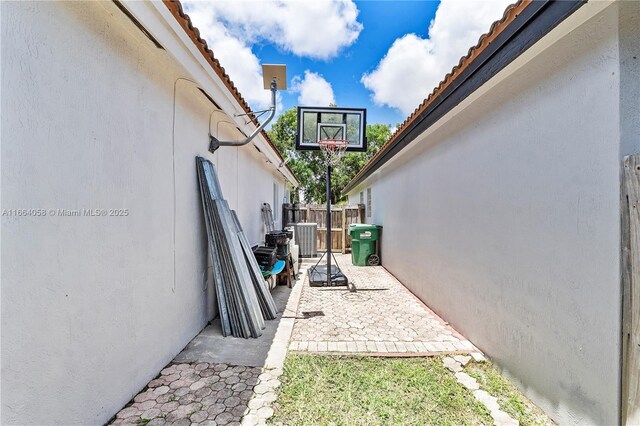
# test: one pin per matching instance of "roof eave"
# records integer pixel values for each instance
(522, 24)
(177, 11)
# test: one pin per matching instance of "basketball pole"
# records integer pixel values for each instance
(328, 254)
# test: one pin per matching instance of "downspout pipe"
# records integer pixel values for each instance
(214, 143)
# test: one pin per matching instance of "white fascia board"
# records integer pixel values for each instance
(160, 22)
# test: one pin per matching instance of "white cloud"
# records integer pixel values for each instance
(413, 65)
(315, 29)
(314, 90)
(232, 28)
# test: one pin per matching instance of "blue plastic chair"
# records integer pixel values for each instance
(278, 267)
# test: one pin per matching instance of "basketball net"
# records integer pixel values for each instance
(333, 150)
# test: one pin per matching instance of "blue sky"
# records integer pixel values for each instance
(386, 56)
(383, 22)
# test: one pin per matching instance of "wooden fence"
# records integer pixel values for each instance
(341, 217)
(631, 291)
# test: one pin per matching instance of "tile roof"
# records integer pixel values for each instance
(510, 13)
(176, 9)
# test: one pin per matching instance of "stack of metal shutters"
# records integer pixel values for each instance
(244, 300)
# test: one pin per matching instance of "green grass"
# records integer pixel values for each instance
(332, 390)
(509, 397)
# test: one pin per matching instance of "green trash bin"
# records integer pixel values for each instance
(364, 243)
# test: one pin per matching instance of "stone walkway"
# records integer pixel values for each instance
(219, 380)
(377, 317)
(456, 365)
(203, 394)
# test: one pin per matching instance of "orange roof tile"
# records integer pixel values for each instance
(510, 13)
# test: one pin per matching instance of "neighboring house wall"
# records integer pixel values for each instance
(94, 307)
(505, 219)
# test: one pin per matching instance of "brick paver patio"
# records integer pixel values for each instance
(219, 380)
(377, 316)
(204, 394)
(380, 316)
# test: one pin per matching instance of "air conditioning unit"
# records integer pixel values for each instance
(306, 235)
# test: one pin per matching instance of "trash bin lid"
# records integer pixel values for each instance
(360, 230)
(363, 226)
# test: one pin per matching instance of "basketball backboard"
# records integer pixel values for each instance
(317, 123)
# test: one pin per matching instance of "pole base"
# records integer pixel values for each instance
(318, 276)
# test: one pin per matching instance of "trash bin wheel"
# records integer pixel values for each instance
(373, 260)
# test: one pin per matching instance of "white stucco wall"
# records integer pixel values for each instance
(94, 307)
(505, 219)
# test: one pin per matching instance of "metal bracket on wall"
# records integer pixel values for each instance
(214, 143)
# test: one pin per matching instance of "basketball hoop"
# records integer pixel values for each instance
(333, 149)
(333, 131)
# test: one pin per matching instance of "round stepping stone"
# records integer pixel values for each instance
(250, 420)
(145, 396)
(169, 406)
(226, 373)
(232, 401)
(238, 387)
(199, 416)
(273, 384)
(261, 388)
(207, 373)
(187, 399)
(216, 409)
(179, 384)
(171, 378)
(265, 412)
(144, 406)
(270, 396)
(239, 411)
(204, 392)
(181, 392)
(168, 370)
(224, 393)
(212, 379)
(161, 390)
(246, 395)
(218, 386)
(151, 414)
(257, 403)
(198, 385)
(224, 418)
(265, 376)
(156, 382)
(232, 380)
(162, 399)
(209, 400)
(128, 412)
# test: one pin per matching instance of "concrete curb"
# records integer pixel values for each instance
(381, 354)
